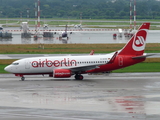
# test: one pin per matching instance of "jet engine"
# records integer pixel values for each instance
(61, 73)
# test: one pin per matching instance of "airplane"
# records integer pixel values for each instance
(45, 26)
(78, 26)
(66, 66)
(63, 34)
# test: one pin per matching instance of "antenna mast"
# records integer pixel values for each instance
(134, 14)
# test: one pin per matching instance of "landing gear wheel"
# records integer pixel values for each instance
(78, 77)
(22, 78)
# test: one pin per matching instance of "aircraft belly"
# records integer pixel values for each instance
(36, 70)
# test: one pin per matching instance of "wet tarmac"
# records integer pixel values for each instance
(115, 96)
(93, 36)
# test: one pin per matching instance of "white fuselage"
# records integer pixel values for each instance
(44, 65)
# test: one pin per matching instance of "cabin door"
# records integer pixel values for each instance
(27, 66)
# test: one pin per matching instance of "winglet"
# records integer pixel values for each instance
(92, 52)
(113, 58)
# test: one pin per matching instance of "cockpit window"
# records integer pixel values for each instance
(15, 63)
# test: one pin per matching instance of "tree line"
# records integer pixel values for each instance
(85, 9)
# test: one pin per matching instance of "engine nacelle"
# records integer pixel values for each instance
(61, 73)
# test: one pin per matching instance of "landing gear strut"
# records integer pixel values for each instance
(78, 77)
(22, 78)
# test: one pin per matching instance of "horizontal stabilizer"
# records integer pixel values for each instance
(143, 56)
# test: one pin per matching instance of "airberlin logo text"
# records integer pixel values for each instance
(56, 63)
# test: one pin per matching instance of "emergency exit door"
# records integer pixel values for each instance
(120, 61)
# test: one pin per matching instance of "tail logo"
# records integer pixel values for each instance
(139, 40)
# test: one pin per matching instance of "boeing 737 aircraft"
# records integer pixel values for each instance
(66, 66)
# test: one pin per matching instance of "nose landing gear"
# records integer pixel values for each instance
(19, 75)
(22, 78)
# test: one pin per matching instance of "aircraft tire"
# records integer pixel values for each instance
(22, 78)
(78, 77)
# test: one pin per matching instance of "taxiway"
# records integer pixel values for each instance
(115, 96)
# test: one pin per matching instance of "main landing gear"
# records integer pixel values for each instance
(78, 77)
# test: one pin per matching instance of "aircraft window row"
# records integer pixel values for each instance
(15, 63)
(92, 62)
(84, 62)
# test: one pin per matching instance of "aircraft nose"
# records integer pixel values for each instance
(8, 69)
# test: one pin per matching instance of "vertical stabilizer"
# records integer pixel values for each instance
(136, 44)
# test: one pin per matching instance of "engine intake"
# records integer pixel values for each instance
(61, 73)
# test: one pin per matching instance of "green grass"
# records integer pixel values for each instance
(141, 67)
(2, 69)
(69, 48)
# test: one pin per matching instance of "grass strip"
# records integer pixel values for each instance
(69, 48)
(2, 68)
(140, 67)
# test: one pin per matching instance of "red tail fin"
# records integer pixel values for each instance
(136, 44)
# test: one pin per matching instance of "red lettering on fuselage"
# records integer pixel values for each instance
(56, 63)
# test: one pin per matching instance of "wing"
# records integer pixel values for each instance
(91, 67)
(84, 68)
